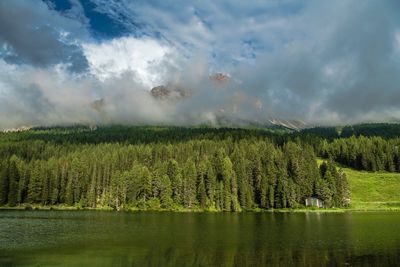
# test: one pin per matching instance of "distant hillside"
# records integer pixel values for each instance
(385, 130)
(388, 130)
(137, 134)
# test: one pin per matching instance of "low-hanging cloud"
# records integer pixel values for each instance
(320, 62)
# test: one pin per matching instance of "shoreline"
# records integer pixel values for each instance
(288, 210)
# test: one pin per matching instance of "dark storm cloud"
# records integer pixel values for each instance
(36, 35)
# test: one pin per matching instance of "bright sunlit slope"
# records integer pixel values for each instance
(373, 190)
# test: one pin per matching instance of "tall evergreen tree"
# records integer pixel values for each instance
(13, 177)
(189, 184)
(4, 183)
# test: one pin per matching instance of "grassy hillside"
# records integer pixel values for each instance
(379, 190)
(372, 190)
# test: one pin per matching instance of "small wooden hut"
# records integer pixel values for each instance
(314, 202)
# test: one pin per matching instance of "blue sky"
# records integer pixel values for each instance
(190, 27)
(324, 62)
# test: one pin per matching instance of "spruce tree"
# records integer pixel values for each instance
(189, 184)
(13, 176)
(4, 183)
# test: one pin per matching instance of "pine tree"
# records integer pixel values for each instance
(166, 192)
(91, 193)
(55, 181)
(230, 198)
(234, 191)
(143, 182)
(69, 192)
(23, 184)
(45, 189)
(256, 179)
(271, 196)
(189, 184)
(13, 176)
(210, 182)
(242, 178)
(4, 183)
(201, 192)
(175, 176)
(35, 184)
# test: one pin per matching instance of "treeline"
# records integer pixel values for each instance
(370, 147)
(363, 153)
(136, 134)
(384, 130)
(230, 171)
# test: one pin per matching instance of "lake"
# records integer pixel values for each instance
(102, 238)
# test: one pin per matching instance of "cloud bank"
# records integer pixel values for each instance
(322, 62)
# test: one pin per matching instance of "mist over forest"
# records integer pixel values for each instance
(279, 64)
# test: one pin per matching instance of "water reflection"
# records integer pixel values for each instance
(190, 239)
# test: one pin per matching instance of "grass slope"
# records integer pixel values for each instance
(373, 190)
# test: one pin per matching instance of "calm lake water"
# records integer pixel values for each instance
(92, 238)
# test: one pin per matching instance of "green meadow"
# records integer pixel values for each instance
(373, 190)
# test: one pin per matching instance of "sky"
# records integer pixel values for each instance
(95, 61)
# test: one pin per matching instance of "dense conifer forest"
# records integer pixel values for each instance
(370, 147)
(177, 168)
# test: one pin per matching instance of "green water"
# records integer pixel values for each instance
(92, 238)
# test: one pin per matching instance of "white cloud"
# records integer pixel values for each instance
(111, 59)
(219, 30)
(33, 97)
(397, 45)
(280, 59)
